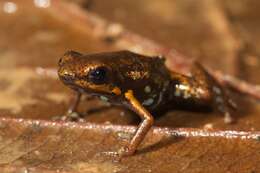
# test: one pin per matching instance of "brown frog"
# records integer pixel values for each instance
(142, 84)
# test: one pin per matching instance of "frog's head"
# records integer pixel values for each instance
(91, 73)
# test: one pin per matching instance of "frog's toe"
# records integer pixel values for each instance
(81, 120)
(113, 155)
(61, 118)
(71, 116)
(126, 151)
(228, 118)
(75, 116)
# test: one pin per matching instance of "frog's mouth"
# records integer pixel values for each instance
(89, 87)
(67, 80)
(73, 86)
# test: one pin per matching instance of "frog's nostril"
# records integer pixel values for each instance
(60, 62)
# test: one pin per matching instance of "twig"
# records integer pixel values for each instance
(239, 85)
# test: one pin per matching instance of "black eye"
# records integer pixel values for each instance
(98, 75)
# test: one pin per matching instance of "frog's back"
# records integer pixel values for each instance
(135, 68)
(135, 62)
(147, 77)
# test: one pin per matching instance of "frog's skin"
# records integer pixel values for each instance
(142, 84)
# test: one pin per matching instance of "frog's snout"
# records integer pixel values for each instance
(66, 76)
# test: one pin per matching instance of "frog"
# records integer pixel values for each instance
(142, 84)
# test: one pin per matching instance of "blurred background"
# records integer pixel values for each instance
(223, 35)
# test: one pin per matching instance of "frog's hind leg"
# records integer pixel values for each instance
(212, 89)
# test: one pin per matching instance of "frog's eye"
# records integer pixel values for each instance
(98, 75)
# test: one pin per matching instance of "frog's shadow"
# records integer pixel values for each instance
(169, 140)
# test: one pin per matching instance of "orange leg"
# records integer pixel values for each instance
(145, 125)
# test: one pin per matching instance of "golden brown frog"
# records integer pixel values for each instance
(142, 84)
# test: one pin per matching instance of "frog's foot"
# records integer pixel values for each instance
(125, 151)
(120, 154)
(115, 157)
(226, 111)
(72, 116)
(223, 103)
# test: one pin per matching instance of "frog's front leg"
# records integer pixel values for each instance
(145, 125)
(72, 113)
(208, 88)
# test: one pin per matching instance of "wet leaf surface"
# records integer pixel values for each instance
(33, 39)
(83, 147)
